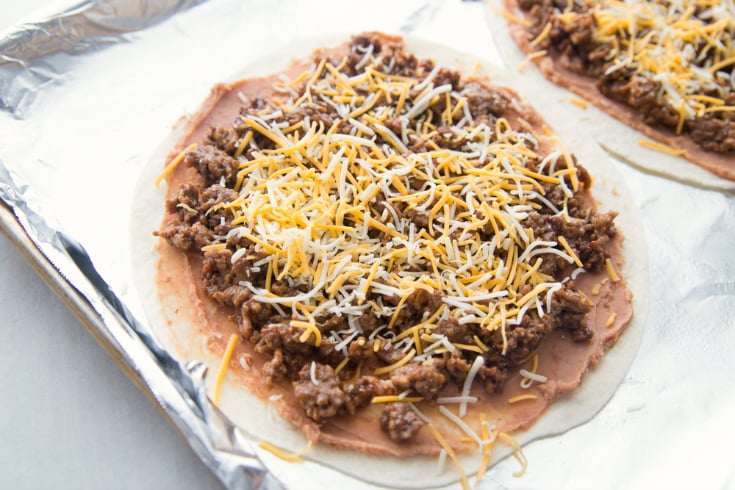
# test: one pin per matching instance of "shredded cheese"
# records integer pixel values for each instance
(543, 35)
(392, 367)
(614, 277)
(523, 397)
(579, 102)
(486, 447)
(452, 455)
(174, 163)
(395, 399)
(660, 147)
(223, 367)
(610, 320)
(517, 452)
(296, 457)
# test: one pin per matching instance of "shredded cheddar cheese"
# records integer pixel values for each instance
(174, 163)
(395, 399)
(610, 320)
(660, 147)
(544, 33)
(452, 455)
(579, 102)
(296, 457)
(488, 438)
(614, 277)
(392, 367)
(523, 397)
(517, 452)
(223, 367)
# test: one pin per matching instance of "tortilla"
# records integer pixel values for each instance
(626, 136)
(183, 320)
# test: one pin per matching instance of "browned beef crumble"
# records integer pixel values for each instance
(400, 422)
(573, 47)
(197, 220)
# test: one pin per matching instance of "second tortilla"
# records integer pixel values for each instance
(626, 135)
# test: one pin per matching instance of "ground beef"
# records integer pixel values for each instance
(253, 315)
(642, 93)
(388, 353)
(283, 336)
(216, 217)
(424, 379)
(275, 370)
(713, 134)
(185, 237)
(571, 307)
(586, 236)
(454, 331)
(418, 304)
(522, 340)
(483, 103)
(186, 203)
(456, 366)
(213, 164)
(360, 392)
(400, 422)
(323, 400)
(224, 139)
(222, 281)
(493, 378)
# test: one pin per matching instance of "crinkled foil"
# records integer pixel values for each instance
(87, 95)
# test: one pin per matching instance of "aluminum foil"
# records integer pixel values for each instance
(87, 94)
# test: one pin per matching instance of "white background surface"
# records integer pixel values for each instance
(69, 417)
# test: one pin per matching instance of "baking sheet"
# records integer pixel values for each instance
(88, 93)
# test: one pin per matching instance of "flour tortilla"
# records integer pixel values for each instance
(259, 420)
(619, 135)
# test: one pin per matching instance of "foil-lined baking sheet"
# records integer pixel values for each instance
(88, 94)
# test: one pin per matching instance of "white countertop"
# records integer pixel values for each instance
(69, 417)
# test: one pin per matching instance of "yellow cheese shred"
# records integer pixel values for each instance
(579, 102)
(395, 399)
(341, 365)
(214, 246)
(392, 367)
(517, 453)
(487, 447)
(296, 457)
(542, 35)
(523, 397)
(309, 329)
(614, 277)
(174, 163)
(563, 242)
(450, 452)
(610, 320)
(661, 147)
(223, 367)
